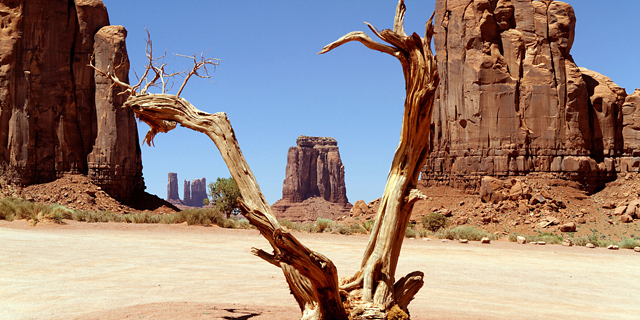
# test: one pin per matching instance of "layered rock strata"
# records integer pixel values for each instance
(56, 115)
(314, 170)
(511, 100)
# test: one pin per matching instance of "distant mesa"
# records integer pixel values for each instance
(512, 101)
(194, 192)
(314, 185)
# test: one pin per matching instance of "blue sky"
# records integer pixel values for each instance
(274, 87)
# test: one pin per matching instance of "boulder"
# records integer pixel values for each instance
(521, 240)
(567, 243)
(625, 218)
(488, 189)
(520, 190)
(485, 240)
(613, 247)
(549, 221)
(359, 208)
(636, 249)
(620, 210)
(590, 245)
(568, 227)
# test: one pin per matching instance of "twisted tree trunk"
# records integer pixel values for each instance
(372, 293)
(377, 273)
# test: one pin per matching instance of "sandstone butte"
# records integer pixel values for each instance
(314, 184)
(512, 101)
(56, 115)
(194, 192)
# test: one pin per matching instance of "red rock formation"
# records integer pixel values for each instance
(172, 187)
(631, 124)
(314, 170)
(194, 192)
(511, 99)
(115, 162)
(48, 116)
(198, 192)
(186, 192)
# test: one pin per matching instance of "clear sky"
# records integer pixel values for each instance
(274, 87)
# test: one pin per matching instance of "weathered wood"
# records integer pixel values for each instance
(372, 292)
(312, 277)
(380, 259)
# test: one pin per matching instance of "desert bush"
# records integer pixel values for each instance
(628, 243)
(410, 232)
(434, 221)
(464, 232)
(16, 208)
(422, 233)
(324, 224)
(358, 228)
(243, 224)
(290, 225)
(368, 225)
(204, 217)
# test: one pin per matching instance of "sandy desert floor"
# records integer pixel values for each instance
(133, 271)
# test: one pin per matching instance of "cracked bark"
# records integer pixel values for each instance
(377, 273)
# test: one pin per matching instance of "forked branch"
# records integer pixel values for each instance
(154, 74)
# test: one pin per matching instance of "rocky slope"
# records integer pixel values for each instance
(56, 115)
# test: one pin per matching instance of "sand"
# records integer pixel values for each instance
(141, 271)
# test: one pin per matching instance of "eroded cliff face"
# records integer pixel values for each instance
(314, 169)
(314, 177)
(53, 120)
(511, 100)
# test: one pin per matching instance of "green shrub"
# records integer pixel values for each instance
(357, 228)
(368, 225)
(628, 243)
(290, 225)
(464, 232)
(324, 224)
(243, 224)
(410, 232)
(434, 221)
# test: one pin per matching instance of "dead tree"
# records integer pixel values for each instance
(372, 293)
(377, 272)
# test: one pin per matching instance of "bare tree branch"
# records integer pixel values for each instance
(362, 38)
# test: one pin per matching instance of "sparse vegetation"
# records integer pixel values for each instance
(434, 221)
(464, 232)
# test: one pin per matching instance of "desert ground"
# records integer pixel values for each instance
(141, 271)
